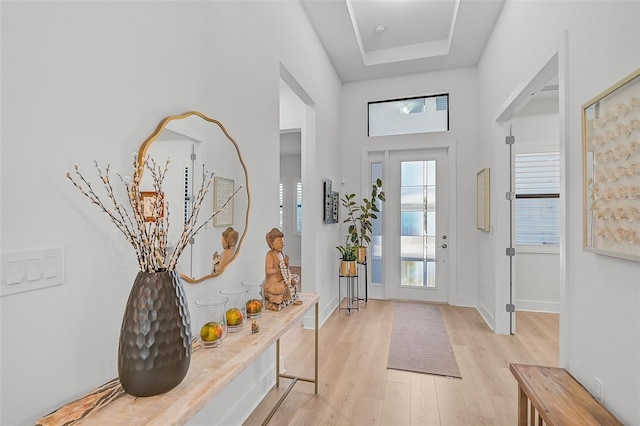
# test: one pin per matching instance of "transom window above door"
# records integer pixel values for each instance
(410, 115)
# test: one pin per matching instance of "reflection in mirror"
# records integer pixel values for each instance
(229, 242)
(196, 145)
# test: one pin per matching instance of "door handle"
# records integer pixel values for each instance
(443, 246)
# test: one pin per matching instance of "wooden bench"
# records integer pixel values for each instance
(552, 397)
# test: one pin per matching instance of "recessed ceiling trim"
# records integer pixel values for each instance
(403, 53)
(452, 27)
(407, 53)
(354, 24)
(347, 30)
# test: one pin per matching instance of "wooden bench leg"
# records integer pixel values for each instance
(523, 403)
(532, 414)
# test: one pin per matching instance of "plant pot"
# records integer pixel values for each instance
(348, 268)
(155, 338)
(361, 254)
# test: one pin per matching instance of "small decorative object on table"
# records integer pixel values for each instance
(254, 326)
(236, 307)
(155, 338)
(280, 286)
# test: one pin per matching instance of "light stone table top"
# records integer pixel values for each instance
(209, 372)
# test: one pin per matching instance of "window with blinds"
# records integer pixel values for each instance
(299, 207)
(281, 196)
(537, 188)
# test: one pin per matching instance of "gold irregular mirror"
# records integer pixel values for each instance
(196, 145)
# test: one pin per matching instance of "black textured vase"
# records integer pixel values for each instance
(155, 338)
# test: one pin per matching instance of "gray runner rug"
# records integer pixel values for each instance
(420, 342)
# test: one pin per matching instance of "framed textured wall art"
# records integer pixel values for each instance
(483, 203)
(335, 206)
(611, 170)
(149, 208)
(327, 201)
(223, 188)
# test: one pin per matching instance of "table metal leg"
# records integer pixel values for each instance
(316, 351)
(294, 379)
(278, 363)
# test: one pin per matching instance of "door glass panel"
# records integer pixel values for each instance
(375, 250)
(418, 223)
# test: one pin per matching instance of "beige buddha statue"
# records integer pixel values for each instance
(280, 286)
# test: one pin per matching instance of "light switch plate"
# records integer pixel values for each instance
(14, 270)
(31, 270)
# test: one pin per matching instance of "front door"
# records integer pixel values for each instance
(417, 203)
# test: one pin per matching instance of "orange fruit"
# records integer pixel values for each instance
(211, 332)
(254, 306)
(234, 316)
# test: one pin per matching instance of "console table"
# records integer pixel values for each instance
(209, 372)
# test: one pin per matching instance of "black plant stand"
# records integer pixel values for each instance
(352, 299)
(366, 281)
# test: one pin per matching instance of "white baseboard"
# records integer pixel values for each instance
(538, 306)
(467, 302)
(325, 311)
(486, 315)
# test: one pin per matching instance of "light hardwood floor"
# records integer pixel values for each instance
(356, 388)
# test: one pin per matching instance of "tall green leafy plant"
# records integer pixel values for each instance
(360, 215)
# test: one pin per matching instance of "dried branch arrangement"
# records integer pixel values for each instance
(148, 237)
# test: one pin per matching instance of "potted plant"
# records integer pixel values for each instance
(348, 258)
(360, 216)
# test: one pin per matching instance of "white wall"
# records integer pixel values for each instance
(461, 84)
(91, 80)
(600, 309)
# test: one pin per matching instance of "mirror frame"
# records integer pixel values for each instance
(142, 152)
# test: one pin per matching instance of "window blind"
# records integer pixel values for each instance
(537, 187)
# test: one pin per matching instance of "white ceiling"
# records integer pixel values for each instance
(368, 39)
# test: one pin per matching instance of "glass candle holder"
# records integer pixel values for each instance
(211, 321)
(236, 308)
(254, 299)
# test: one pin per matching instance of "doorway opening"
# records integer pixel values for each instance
(297, 166)
(532, 126)
(290, 190)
